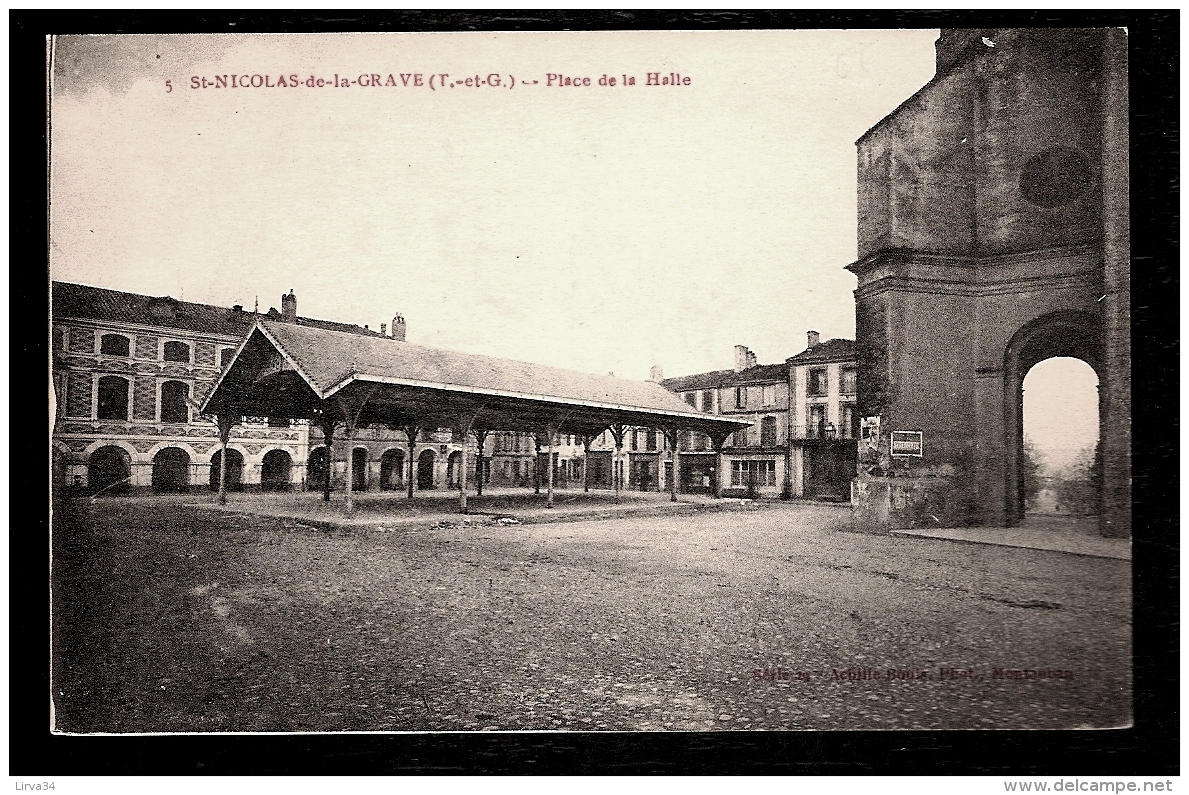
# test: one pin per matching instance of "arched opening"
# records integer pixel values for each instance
(113, 345)
(235, 470)
(318, 469)
(171, 470)
(1061, 469)
(113, 397)
(425, 470)
(109, 470)
(176, 352)
(275, 471)
(392, 469)
(452, 469)
(174, 406)
(1072, 341)
(359, 469)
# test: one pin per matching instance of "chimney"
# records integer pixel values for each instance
(289, 307)
(237, 308)
(751, 359)
(656, 374)
(740, 357)
(398, 328)
(814, 339)
(383, 329)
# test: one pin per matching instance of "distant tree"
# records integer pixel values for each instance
(1079, 485)
(1033, 469)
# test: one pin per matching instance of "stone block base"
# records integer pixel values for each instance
(898, 503)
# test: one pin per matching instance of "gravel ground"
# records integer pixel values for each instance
(170, 619)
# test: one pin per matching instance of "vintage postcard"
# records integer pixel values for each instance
(593, 382)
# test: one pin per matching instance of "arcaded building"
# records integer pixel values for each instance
(129, 371)
(993, 234)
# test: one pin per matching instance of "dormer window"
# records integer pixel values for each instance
(114, 345)
(177, 352)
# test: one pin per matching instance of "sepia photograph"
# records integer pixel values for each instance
(659, 381)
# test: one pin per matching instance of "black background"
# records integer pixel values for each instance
(1150, 748)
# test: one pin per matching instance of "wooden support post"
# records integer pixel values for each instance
(536, 464)
(411, 431)
(660, 465)
(676, 435)
(349, 489)
(617, 432)
(586, 440)
(464, 431)
(351, 409)
(480, 435)
(719, 440)
(327, 423)
(224, 421)
(551, 430)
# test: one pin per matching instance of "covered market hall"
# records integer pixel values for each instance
(346, 381)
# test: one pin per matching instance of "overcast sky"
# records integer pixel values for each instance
(598, 228)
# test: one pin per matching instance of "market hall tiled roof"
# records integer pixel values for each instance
(426, 381)
(84, 302)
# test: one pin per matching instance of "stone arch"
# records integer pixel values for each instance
(125, 446)
(235, 469)
(318, 467)
(392, 469)
(152, 451)
(425, 467)
(454, 462)
(360, 456)
(171, 468)
(109, 469)
(1078, 335)
(276, 468)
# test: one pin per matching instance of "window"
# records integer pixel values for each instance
(741, 437)
(849, 382)
(113, 398)
(740, 397)
(650, 440)
(770, 395)
(691, 398)
(173, 402)
(768, 432)
(177, 352)
(114, 345)
(635, 439)
(817, 421)
(759, 473)
(225, 357)
(708, 400)
(817, 382)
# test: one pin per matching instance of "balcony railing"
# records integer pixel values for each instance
(823, 430)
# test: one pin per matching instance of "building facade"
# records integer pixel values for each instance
(824, 426)
(800, 442)
(993, 233)
(128, 373)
